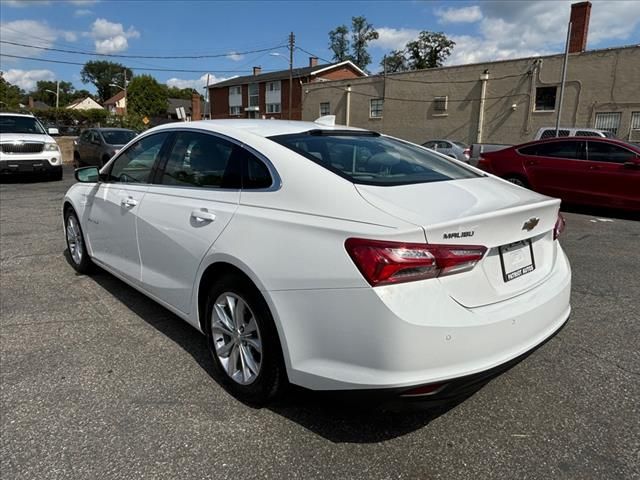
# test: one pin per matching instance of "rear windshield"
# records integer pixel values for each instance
(118, 137)
(18, 124)
(372, 159)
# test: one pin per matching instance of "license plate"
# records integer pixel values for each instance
(516, 260)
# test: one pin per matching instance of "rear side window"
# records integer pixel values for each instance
(607, 152)
(587, 133)
(371, 159)
(551, 133)
(568, 149)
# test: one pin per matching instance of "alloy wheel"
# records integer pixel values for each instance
(74, 239)
(236, 338)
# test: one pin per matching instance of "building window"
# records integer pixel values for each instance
(375, 107)
(635, 121)
(273, 86)
(325, 108)
(254, 96)
(235, 90)
(235, 100)
(235, 110)
(273, 108)
(546, 99)
(440, 104)
(608, 121)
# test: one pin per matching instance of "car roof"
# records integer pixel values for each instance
(615, 141)
(28, 115)
(262, 128)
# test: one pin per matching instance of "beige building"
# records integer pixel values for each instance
(495, 102)
(84, 104)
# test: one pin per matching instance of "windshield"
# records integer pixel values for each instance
(371, 159)
(118, 137)
(18, 124)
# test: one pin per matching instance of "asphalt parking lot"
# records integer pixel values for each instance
(97, 381)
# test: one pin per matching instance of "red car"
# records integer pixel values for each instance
(592, 171)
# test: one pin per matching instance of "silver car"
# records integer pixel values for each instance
(451, 148)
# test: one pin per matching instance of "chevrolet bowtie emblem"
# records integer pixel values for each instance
(530, 224)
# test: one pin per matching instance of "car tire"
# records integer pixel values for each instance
(57, 176)
(243, 341)
(104, 161)
(516, 180)
(77, 163)
(76, 253)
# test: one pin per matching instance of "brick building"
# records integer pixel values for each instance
(504, 101)
(266, 95)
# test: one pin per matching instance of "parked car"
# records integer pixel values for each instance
(590, 171)
(26, 147)
(95, 146)
(330, 257)
(457, 150)
(550, 132)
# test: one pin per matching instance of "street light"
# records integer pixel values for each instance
(276, 54)
(57, 94)
(124, 89)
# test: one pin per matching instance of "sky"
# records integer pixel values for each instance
(241, 34)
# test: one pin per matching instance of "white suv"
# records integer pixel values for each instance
(27, 147)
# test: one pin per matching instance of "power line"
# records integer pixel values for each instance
(427, 82)
(180, 70)
(164, 57)
(313, 55)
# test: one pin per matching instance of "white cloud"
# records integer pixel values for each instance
(460, 15)
(83, 2)
(24, 3)
(394, 38)
(30, 32)
(110, 37)
(27, 79)
(235, 56)
(197, 83)
(518, 29)
(82, 12)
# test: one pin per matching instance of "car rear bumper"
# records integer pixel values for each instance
(402, 336)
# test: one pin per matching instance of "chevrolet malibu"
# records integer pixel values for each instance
(329, 257)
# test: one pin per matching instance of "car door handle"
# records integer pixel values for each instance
(202, 216)
(128, 202)
(531, 162)
(594, 167)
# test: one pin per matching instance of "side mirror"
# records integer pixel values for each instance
(53, 131)
(87, 174)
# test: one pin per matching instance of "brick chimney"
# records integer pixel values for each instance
(313, 61)
(196, 113)
(257, 70)
(580, 13)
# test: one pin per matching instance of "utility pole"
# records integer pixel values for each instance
(125, 91)
(292, 43)
(57, 94)
(564, 77)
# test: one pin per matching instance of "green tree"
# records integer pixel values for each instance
(146, 97)
(10, 95)
(102, 74)
(182, 93)
(396, 61)
(41, 93)
(429, 50)
(339, 43)
(362, 32)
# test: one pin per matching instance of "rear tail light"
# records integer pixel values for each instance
(384, 263)
(559, 227)
(467, 153)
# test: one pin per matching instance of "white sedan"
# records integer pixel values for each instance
(330, 257)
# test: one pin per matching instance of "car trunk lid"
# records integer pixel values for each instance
(515, 224)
